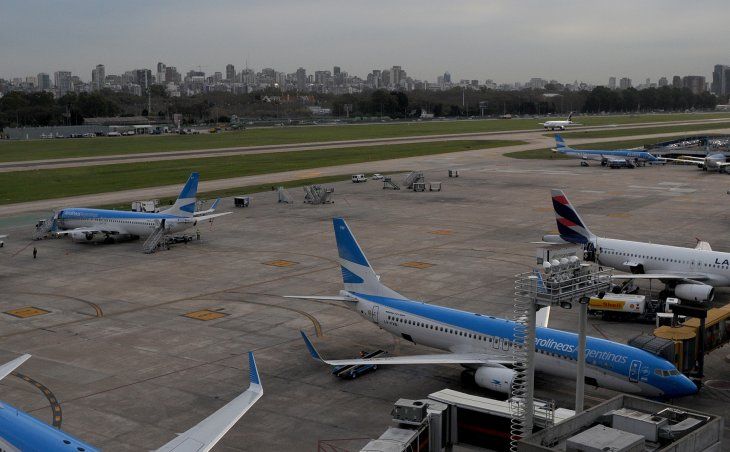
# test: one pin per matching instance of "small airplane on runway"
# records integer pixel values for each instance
(483, 342)
(616, 158)
(559, 124)
(20, 431)
(84, 224)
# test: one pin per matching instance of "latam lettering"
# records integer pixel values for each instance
(725, 262)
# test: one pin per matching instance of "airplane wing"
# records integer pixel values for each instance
(211, 216)
(3, 236)
(87, 231)
(10, 366)
(210, 430)
(443, 358)
(320, 297)
(686, 159)
(689, 277)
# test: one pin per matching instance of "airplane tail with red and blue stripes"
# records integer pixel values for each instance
(570, 225)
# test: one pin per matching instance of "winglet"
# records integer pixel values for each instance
(253, 370)
(10, 366)
(310, 347)
(215, 203)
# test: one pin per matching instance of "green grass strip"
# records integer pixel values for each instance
(642, 131)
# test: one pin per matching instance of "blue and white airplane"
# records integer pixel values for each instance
(484, 342)
(629, 158)
(85, 224)
(20, 431)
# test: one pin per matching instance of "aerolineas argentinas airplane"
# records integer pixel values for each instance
(560, 125)
(20, 431)
(623, 157)
(483, 342)
(692, 272)
(83, 223)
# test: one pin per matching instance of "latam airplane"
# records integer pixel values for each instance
(711, 162)
(483, 342)
(20, 431)
(560, 125)
(617, 157)
(692, 272)
(85, 224)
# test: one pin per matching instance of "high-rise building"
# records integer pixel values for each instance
(172, 75)
(676, 81)
(98, 74)
(144, 78)
(396, 74)
(447, 77)
(161, 73)
(721, 80)
(624, 83)
(663, 82)
(62, 82)
(696, 83)
(612, 82)
(301, 79)
(230, 72)
(44, 82)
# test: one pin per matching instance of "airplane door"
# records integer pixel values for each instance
(634, 370)
(496, 342)
(375, 313)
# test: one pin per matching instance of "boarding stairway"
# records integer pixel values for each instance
(284, 195)
(412, 178)
(317, 194)
(150, 245)
(389, 184)
(44, 227)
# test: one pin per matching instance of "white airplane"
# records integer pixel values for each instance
(626, 158)
(693, 273)
(560, 125)
(20, 431)
(483, 342)
(2, 242)
(85, 224)
(712, 162)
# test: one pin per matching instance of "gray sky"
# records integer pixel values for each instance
(498, 39)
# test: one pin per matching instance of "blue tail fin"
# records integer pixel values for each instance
(357, 274)
(570, 225)
(185, 204)
(560, 144)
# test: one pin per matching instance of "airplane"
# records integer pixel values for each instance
(20, 431)
(692, 273)
(711, 162)
(560, 125)
(2, 242)
(84, 224)
(201, 213)
(614, 158)
(483, 342)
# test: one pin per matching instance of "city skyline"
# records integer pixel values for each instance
(501, 41)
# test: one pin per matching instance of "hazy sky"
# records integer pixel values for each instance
(502, 40)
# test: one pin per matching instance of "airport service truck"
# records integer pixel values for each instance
(623, 306)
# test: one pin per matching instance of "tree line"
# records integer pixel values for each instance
(41, 109)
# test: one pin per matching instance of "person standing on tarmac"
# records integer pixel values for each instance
(35, 252)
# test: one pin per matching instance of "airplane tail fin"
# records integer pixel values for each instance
(570, 116)
(560, 144)
(570, 225)
(215, 204)
(357, 274)
(185, 204)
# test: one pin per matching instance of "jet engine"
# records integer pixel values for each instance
(82, 236)
(497, 379)
(695, 292)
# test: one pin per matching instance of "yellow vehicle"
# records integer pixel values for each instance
(686, 345)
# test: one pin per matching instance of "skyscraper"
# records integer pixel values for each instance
(301, 79)
(230, 72)
(676, 81)
(721, 80)
(624, 83)
(663, 82)
(612, 82)
(161, 73)
(696, 83)
(44, 82)
(62, 81)
(98, 74)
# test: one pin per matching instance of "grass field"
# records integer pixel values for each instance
(52, 149)
(57, 183)
(547, 154)
(643, 131)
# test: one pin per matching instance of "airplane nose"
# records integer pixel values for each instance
(683, 386)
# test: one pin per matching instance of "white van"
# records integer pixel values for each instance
(357, 178)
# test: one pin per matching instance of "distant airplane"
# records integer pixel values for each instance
(560, 125)
(711, 162)
(617, 157)
(483, 342)
(20, 431)
(2, 242)
(201, 213)
(691, 272)
(84, 224)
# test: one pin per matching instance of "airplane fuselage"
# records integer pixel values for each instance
(123, 222)
(655, 258)
(608, 364)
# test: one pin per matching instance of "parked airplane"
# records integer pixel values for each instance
(200, 213)
(560, 125)
(85, 224)
(2, 242)
(483, 342)
(616, 158)
(20, 431)
(691, 272)
(711, 162)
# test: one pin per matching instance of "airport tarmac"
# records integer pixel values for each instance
(119, 339)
